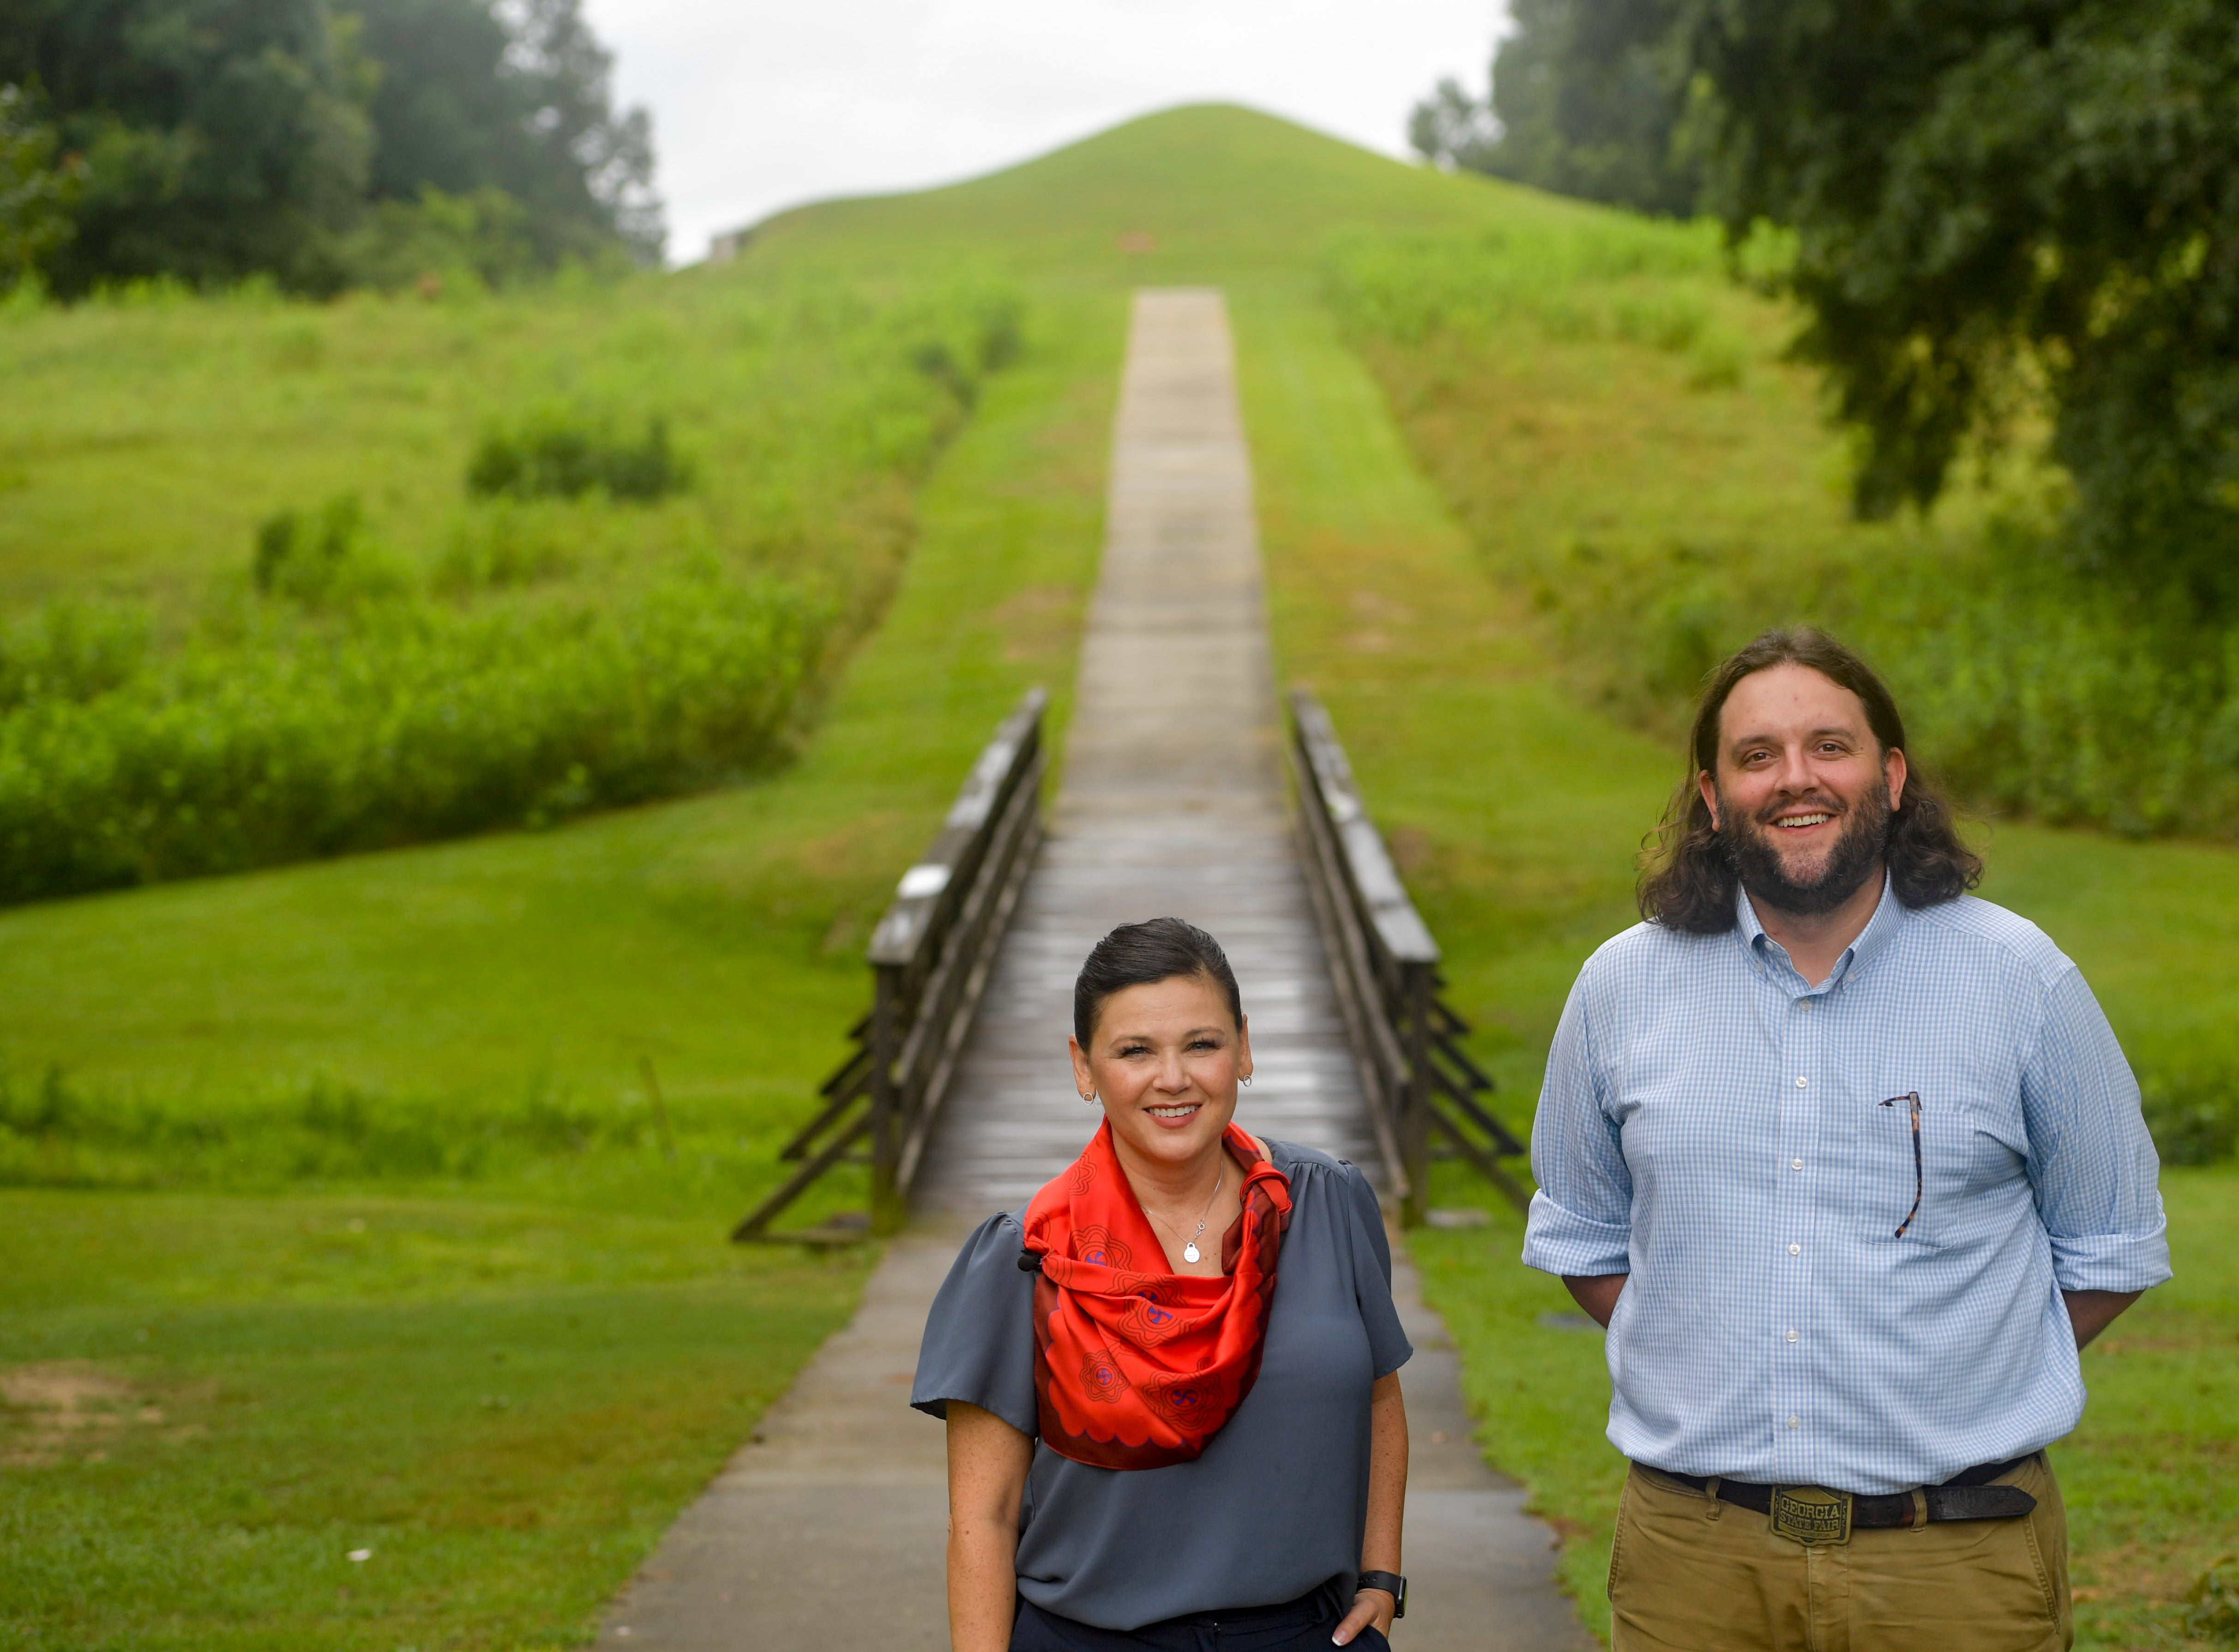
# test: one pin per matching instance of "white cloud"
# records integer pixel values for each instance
(759, 105)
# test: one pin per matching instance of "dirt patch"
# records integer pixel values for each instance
(1038, 624)
(66, 1409)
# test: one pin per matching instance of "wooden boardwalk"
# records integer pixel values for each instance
(827, 1531)
(1172, 796)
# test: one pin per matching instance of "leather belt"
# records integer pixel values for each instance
(1816, 1514)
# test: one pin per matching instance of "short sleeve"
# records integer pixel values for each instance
(1372, 1276)
(979, 1343)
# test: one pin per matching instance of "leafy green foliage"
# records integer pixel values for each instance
(474, 99)
(1583, 103)
(1996, 202)
(71, 649)
(411, 724)
(384, 143)
(562, 453)
(39, 184)
(2037, 690)
(220, 139)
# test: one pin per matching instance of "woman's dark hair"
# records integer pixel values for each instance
(1687, 881)
(1141, 954)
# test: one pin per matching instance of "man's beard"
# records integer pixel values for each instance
(1857, 853)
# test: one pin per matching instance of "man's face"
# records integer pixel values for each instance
(1804, 792)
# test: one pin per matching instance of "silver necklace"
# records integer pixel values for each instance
(1190, 1252)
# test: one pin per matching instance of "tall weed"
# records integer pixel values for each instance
(417, 722)
(2038, 692)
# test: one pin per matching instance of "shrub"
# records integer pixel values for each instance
(323, 557)
(71, 650)
(567, 454)
(2193, 1116)
(415, 723)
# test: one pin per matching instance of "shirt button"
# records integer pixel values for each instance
(1794, 1422)
(1796, 1251)
(1795, 1164)
(1803, 1004)
(1791, 1336)
(1801, 1082)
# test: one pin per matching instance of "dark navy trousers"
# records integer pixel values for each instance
(1303, 1625)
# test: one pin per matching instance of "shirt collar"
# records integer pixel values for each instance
(1761, 948)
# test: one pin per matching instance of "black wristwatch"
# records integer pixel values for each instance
(1391, 1583)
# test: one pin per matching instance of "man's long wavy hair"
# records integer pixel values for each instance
(1687, 881)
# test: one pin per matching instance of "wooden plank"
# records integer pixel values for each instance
(1172, 799)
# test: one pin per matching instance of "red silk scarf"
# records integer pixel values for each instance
(1134, 1367)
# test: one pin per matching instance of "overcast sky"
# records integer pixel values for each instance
(759, 105)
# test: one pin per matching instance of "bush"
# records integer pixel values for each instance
(323, 557)
(70, 650)
(415, 723)
(567, 454)
(2193, 1116)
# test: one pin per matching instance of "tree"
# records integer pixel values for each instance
(221, 137)
(38, 184)
(1585, 102)
(474, 98)
(2001, 200)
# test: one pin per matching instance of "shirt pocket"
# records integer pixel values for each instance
(1904, 1147)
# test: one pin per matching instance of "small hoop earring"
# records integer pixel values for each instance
(1246, 1081)
(1089, 1100)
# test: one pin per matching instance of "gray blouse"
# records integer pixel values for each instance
(1276, 1504)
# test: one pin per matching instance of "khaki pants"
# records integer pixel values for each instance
(1688, 1574)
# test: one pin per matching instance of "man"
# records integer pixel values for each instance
(1849, 1164)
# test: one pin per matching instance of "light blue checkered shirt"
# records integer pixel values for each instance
(1715, 1127)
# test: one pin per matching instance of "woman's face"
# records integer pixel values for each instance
(1165, 1060)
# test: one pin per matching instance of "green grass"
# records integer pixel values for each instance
(215, 1402)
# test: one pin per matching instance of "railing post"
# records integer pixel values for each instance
(1416, 983)
(888, 1211)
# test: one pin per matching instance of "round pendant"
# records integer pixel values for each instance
(1189, 1251)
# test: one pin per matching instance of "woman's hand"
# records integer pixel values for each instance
(1369, 1606)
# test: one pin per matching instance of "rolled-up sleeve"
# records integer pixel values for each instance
(2090, 1158)
(1581, 1218)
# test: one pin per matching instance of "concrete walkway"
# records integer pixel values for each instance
(826, 1530)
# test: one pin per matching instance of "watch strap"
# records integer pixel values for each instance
(1391, 1583)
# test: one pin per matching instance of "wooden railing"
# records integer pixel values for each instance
(930, 958)
(1420, 1085)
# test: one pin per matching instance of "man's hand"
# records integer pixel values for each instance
(2093, 1311)
(1369, 1606)
(1597, 1293)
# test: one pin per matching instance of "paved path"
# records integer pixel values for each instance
(825, 1531)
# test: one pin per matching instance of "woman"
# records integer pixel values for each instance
(1171, 1381)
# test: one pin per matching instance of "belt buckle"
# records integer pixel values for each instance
(1810, 1514)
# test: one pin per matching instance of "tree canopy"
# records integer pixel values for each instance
(2000, 208)
(210, 140)
(1584, 102)
(2001, 200)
